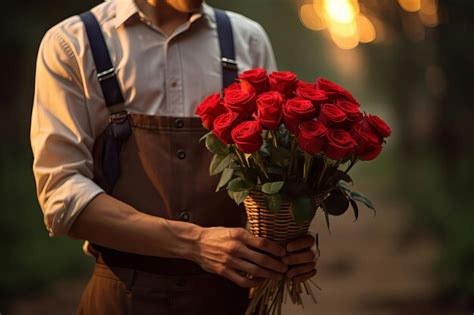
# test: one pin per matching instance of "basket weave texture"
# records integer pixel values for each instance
(279, 227)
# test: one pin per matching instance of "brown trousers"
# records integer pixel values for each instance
(122, 291)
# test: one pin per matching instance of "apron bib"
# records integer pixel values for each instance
(157, 165)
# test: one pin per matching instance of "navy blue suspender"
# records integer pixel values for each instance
(226, 43)
(105, 70)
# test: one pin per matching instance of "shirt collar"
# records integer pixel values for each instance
(126, 9)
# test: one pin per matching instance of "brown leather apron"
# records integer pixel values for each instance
(163, 172)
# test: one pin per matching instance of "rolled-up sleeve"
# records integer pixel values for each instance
(61, 136)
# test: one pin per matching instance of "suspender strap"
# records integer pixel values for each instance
(226, 43)
(105, 69)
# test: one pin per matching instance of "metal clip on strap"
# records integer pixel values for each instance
(107, 74)
(229, 64)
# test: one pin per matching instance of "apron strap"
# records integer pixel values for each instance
(226, 43)
(105, 70)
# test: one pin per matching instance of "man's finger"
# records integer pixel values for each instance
(299, 258)
(302, 269)
(263, 260)
(255, 270)
(264, 244)
(303, 277)
(300, 243)
(242, 281)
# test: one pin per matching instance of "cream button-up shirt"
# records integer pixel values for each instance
(159, 75)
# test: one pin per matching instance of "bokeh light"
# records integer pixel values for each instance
(410, 5)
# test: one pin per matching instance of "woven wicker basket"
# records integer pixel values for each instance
(279, 227)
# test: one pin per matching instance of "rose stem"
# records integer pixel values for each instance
(242, 160)
(353, 162)
(258, 160)
(293, 152)
(274, 138)
(322, 172)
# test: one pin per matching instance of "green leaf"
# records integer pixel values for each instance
(225, 178)
(239, 196)
(272, 187)
(238, 184)
(345, 186)
(205, 136)
(302, 209)
(363, 199)
(273, 202)
(355, 208)
(215, 145)
(218, 163)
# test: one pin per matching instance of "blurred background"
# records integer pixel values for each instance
(409, 61)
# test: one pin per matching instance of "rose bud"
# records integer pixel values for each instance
(379, 126)
(283, 82)
(332, 116)
(369, 145)
(317, 97)
(334, 91)
(269, 107)
(352, 110)
(248, 136)
(209, 109)
(223, 125)
(241, 102)
(312, 136)
(257, 78)
(295, 111)
(339, 144)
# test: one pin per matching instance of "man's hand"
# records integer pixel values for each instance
(231, 252)
(301, 259)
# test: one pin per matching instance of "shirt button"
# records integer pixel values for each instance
(180, 154)
(179, 123)
(174, 84)
(183, 216)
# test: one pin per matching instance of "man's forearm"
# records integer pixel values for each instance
(110, 222)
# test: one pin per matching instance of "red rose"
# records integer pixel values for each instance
(339, 144)
(379, 126)
(314, 95)
(269, 109)
(334, 91)
(312, 136)
(295, 111)
(241, 102)
(352, 110)
(232, 86)
(300, 83)
(331, 115)
(248, 136)
(209, 109)
(369, 145)
(257, 78)
(283, 82)
(223, 125)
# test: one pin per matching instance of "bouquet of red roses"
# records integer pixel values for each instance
(284, 147)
